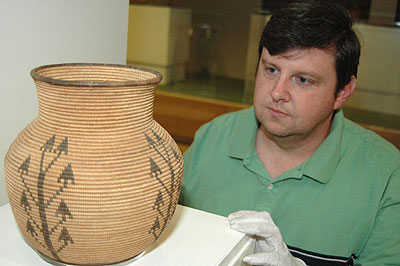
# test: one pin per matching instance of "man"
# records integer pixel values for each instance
(310, 181)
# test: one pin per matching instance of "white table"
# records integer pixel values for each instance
(193, 237)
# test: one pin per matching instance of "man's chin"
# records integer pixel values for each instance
(277, 132)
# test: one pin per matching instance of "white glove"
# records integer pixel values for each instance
(270, 249)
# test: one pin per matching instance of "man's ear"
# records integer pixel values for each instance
(345, 93)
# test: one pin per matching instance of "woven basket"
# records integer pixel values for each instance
(93, 180)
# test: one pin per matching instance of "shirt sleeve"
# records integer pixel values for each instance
(189, 171)
(187, 159)
(383, 245)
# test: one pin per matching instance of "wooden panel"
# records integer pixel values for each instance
(181, 115)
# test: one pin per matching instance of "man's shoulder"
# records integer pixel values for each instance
(367, 139)
(227, 122)
(232, 116)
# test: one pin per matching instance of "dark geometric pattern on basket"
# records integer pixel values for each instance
(66, 178)
(168, 155)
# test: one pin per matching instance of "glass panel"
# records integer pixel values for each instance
(209, 49)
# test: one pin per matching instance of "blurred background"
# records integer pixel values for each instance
(209, 48)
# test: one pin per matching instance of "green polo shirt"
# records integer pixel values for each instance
(343, 201)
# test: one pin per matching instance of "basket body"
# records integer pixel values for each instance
(93, 180)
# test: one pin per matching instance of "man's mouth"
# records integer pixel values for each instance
(276, 112)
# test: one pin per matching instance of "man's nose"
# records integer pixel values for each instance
(280, 90)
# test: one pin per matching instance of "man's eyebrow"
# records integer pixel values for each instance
(267, 62)
(311, 74)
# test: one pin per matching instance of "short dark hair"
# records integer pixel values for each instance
(323, 25)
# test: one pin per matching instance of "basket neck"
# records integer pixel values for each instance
(99, 108)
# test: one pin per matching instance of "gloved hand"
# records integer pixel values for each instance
(270, 250)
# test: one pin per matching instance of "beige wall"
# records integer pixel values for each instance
(158, 39)
(378, 84)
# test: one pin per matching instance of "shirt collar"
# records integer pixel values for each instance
(323, 163)
(320, 166)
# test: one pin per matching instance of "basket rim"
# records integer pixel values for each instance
(38, 77)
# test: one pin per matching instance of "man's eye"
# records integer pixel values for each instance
(271, 70)
(304, 81)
